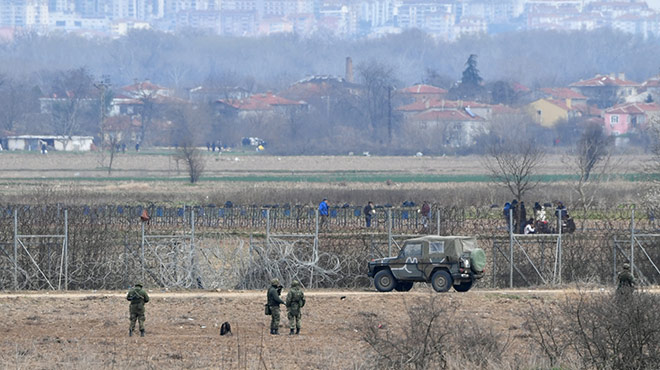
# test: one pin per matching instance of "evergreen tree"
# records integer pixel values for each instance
(471, 76)
(470, 85)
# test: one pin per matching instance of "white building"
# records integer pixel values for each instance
(59, 143)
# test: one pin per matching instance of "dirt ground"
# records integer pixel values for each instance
(46, 330)
(35, 166)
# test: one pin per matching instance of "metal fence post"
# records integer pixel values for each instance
(632, 241)
(559, 249)
(510, 248)
(437, 214)
(192, 249)
(66, 249)
(389, 232)
(267, 226)
(15, 249)
(142, 252)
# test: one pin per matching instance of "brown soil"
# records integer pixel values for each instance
(22, 165)
(90, 329)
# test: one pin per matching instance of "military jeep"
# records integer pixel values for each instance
(443, 261)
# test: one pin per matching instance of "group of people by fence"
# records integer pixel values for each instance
(515, 215)
(369, 212)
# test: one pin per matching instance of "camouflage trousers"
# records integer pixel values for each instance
(274, 317)
(294, 320)
(137, 314)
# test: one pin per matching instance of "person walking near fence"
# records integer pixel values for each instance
(138, 297)
(506, 213)
(273, 305)
(295, 301)
(425, 212)
(516, 215)
(323, 213)
(369, 211)
(626, 280)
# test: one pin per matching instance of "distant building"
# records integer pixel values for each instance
(606, 90)
(56, 142)
(421, 92)
(629, 117)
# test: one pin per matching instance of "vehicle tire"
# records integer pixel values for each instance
(403, 286)
(464, 286)
(384, 281)
(441, 281)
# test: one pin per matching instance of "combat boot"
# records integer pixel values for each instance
(142, 333)
(130, 332)
(291, 332)
(297, 330)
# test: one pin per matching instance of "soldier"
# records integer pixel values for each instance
(295, 300)
(626, 280)
(138, 297)
(274, 302)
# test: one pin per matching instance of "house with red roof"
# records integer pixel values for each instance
(480, 109)
(267, 103)
(146, 88)
(572, 98)
(606, 90)
(459, 127)
(324, 92)
(422, 92)
(548, 112)
(629, 117)
(651, 87)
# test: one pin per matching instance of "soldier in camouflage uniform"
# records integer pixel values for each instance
(626, 280)
(274, 302)
(138, 297)
(295, 300)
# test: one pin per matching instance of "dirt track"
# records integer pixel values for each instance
(89, 329)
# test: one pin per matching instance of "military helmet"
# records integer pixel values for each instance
(295, 283)
(275, 282)
(626, 266)
(138, 284)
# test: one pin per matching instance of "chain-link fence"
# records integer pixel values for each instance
(111, 247)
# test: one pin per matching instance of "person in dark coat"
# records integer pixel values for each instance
(369, 211)
(274, 301)
(138, 297)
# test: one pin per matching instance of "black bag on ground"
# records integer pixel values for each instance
(225, 328)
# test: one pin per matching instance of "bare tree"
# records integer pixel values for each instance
(72, 101)
(592, 160)
(189, 124)
(512, 161)
(16, 100)
(193, 159)
(378, 80)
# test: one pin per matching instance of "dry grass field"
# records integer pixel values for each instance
(255, 178)
(162, 164)
(90, 329)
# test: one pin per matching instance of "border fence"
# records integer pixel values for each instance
(111, 246)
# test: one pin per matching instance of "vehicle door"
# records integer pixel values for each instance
(408, 262)
(436, 256)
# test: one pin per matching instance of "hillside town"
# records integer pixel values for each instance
(443, 19)
(427, 117)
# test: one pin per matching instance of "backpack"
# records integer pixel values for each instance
(225, 328)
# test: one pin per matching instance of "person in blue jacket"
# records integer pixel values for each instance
(323, 213)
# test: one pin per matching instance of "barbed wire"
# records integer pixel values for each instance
(230, 249)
